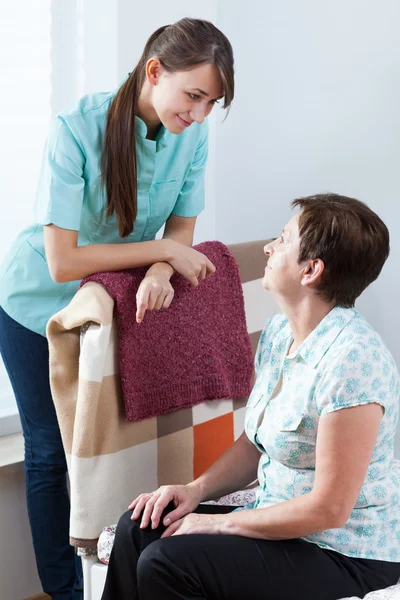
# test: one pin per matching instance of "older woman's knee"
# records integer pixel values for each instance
(125, 520)
(125, 526)
(155, 556)
(168, 566)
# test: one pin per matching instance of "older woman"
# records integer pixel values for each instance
(319, 432)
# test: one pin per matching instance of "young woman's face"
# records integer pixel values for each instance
(185, 97)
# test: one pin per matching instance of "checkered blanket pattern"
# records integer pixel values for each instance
(111, 460)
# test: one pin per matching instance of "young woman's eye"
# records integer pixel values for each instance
(214, 102)
(193, 96)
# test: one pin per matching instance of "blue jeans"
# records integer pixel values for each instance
(26, 358)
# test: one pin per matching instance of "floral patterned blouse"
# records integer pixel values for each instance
(342, 363)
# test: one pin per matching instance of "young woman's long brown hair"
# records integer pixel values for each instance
(185, 44)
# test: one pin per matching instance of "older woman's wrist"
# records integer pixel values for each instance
(227, 524)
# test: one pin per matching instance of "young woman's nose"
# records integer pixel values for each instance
(198, 113)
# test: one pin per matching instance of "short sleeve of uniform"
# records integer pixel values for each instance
(190, 201)
(60, 189)
(358, 376)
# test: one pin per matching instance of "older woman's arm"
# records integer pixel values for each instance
(232, 471)
(345, 442)
(235, 469)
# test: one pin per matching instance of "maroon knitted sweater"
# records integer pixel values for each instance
(198, 349)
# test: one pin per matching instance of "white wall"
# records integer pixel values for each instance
(25, 66)
(317, 109)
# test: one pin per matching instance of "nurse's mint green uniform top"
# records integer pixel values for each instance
(170, 181)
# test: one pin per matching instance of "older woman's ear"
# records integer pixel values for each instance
(312, 272)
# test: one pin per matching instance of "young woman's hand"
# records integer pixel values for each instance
(190, 263)
(154, 292)
(184, 497)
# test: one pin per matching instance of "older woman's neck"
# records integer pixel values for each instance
(304, 316)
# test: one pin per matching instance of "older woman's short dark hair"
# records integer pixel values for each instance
(351, 240)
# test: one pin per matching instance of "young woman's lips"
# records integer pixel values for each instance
(183, 122)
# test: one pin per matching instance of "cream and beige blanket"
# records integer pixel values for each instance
(111, 460)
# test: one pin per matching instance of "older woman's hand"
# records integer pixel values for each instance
(185, 498)
(196, 523)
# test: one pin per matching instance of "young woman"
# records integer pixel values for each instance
(319, 434)
(116, 169)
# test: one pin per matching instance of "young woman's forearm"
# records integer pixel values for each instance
(82, 261)
(233, 471)
(177, 235)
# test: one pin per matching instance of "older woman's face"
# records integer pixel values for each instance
(283, 272)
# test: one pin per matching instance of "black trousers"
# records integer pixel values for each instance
(230, 567)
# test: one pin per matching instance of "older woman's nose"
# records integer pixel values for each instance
(268, 248)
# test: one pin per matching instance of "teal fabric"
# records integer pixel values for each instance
(342, 363)
(170, 181)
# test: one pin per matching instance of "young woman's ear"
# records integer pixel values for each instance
(153, 70)
(312, 272)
